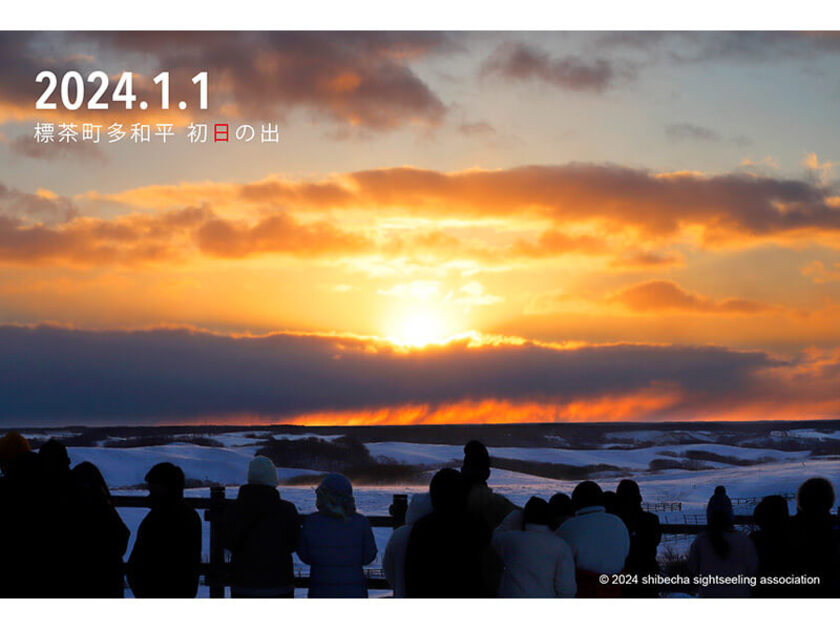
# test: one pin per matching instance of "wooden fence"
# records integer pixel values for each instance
(217, 574)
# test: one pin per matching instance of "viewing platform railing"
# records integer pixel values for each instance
(217, 574)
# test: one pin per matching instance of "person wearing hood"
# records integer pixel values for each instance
(537, 562)
(722, 551)
(99, 537)
(166, 557)
(393, 560)
(599, 541)
(336, 542)
(261, 531)
(815, 535)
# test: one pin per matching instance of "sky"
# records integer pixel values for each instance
(453, 227)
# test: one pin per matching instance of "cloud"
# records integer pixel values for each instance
(821, 273)
(818, 172)
(719, 207)
(27, 147)
(52, 375)
(684, 47)
(480, 128)
(44, 206)
(278, 234)
(170, 237)
(641, 259)
(631, 217)
(679, 132)
(663, 295)
(474, 294)
(521, 62)
(355, 79)
(688, 131)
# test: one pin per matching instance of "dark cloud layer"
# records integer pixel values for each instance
(53, 375)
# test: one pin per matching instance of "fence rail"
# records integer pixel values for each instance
(216, 572)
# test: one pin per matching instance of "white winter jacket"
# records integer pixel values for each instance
(599, 541)
(537, 562)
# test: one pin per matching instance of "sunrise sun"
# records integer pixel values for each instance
(420, 327)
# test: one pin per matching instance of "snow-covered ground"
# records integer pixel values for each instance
(124, 467)
(629, 458)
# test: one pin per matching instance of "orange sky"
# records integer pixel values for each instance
(698, 243)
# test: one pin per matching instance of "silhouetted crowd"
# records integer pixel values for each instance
(62, 537)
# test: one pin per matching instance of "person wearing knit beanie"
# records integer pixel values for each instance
(12, 446)
(262, 471)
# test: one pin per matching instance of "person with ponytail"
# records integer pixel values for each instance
(720, 551)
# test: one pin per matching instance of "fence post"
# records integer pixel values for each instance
(397, 510)
(215, 574)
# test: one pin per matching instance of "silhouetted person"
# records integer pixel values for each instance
(60, 498)
(98, 537)
(560, 510)
(645, 536)
(261, 531)
(815, 536)
(12, 446)
(482, 503)
(446, 548)
(599, 541)
(393, 560)
(536, 562)
(23, 527)
(773, 545)
(486, 506)
(167, 553)
(336, 542)
(721, 551)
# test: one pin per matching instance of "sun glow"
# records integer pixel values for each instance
(420, 326)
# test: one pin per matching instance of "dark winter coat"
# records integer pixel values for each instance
(24, 527)
(447, 557)
(262, 532)
(337, 549)
(645, 536)
(775, 559)
(167, 553)
(816, 553)
(99, 541)
(61, 498)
